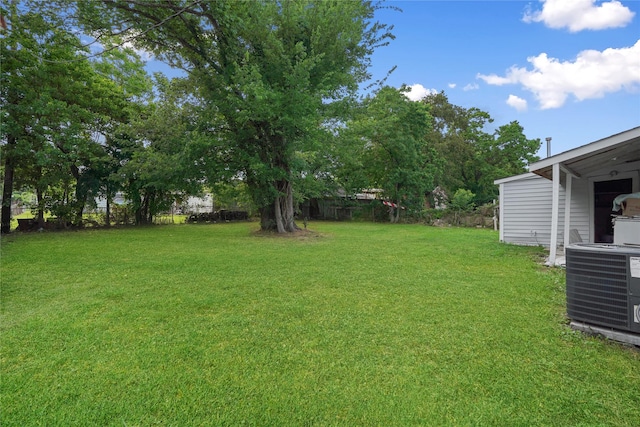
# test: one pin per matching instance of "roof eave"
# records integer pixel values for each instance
(544, 167)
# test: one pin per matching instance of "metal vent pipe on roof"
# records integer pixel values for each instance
(548, 146)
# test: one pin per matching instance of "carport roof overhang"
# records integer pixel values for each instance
(614, 150)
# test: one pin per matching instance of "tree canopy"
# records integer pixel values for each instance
(54, 103)
(275, 71)
(393, 153)
(270, 106)
(473, 155)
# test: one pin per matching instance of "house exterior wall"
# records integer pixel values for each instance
(526, 205)
(526, 211)
(580, 208)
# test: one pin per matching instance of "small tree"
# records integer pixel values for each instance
(395, 155)
(461, 202)
(55, 101)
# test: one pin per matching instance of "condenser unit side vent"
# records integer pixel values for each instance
(597, 288)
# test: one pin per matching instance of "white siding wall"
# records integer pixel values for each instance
(526, 204)
(580, 207)
(526, 211)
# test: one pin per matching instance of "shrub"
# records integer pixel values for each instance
(462, 201)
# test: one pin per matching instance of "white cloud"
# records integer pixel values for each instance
(517, 103)
(451, 85)
(471, 86)
(417, 92)
(578, 15)
(593, 74)
(492, 79)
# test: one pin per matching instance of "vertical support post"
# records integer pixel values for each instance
(567, 212)
(555, 208)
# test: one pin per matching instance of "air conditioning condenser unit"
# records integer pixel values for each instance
(603, 289)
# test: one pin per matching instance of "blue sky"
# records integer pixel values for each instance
(565, 69)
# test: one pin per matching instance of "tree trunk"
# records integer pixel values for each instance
(278, 211)
(107, 220)
(7, 190)
(151, 207)
(395, 212)
(284, 209)
(81, 195)
(267, 218)
(138, 211)
(289, 218)
(280, 215)
(144, 209)
(40, 201)
(80, 213)
(10, 163)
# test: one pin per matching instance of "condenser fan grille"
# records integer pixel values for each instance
(597, 288)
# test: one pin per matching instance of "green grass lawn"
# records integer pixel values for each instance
(356, 324)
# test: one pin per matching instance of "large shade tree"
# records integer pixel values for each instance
(276, 71)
